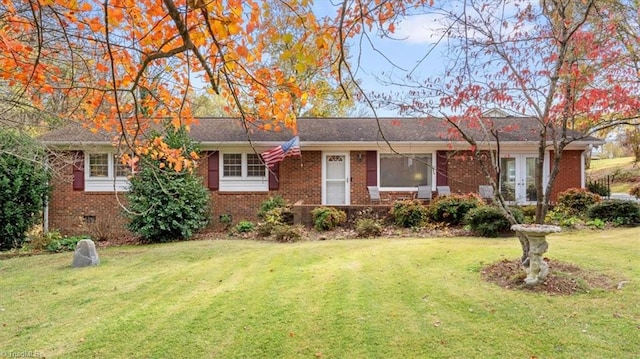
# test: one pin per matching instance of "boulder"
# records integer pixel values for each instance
(85, 254)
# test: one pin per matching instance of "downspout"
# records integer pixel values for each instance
(45, 212)
(45, 220)
(583, 169)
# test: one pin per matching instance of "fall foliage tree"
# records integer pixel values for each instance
(120, 65)
(631, 139)
(567, 64)
(326, 96)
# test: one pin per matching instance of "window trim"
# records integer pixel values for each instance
(432, 154)
(111, 183)
(244, 182)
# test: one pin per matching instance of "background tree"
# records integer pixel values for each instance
(327, 96)
(167, 201)
(24, 186)
(631, 140)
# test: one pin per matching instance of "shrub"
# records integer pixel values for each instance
(279, 215)
(528, 212)
(24, 187)
(409, 213)
(269, 204)
(563, 216)
(226, 220)
(452, 209)
(577, 200)
(327, 218)
(616, 211)
(596, 223)
(39, 241)
(265, 229)
(286, 233)
(599, 188)
(63, 244)
(368, 227)
(166, 204)
(635, 191)
(487, 221)
(244, 227)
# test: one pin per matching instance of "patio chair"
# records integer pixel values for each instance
(443, 191)
(424, 193)
(374, 194)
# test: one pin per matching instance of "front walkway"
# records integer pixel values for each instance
(623, 196)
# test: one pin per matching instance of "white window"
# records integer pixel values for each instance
(406, 171)
(104, 172)
(243, 172)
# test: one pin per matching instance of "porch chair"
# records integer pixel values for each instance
(424, 193)
(485, 192)
(443, 191)
(374, 194)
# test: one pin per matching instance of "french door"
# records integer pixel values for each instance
(518, 173)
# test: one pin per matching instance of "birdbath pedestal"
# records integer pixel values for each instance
(537, 269)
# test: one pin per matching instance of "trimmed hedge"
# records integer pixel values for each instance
(577, 200)
(490, 221)
(409, 213)
(616, 211)
(452, 209)
(327, 218)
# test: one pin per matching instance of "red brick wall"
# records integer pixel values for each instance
(300, 180)
(464, 172)
(67, 208)
(359, 192)
(569, 175)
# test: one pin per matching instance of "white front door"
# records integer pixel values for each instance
(335, 178)
(518, 173)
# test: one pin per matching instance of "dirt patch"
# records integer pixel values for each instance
(563, 278)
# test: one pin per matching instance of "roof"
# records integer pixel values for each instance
(330, 130)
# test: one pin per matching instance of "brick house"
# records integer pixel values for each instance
(340, 158)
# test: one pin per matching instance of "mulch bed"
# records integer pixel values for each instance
(563, 278)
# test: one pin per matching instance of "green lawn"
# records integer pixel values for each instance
(625, 170)
(391, 298)
(610, 163)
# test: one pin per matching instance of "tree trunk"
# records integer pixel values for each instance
(524, 243)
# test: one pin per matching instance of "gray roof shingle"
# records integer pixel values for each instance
(329, 130)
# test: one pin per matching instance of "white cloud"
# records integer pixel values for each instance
(420, 29)
(428, 28)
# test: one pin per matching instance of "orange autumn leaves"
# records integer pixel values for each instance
(174, 158)
(123, 65)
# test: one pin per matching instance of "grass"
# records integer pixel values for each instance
(626, 171)
(330, 299)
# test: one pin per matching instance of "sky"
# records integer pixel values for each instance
(415, 37)
(416, 49)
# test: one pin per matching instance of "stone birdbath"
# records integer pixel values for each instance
(537, 268)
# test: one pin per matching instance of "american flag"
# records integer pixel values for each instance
(277, 154)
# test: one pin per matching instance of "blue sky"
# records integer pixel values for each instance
(414, 38)
(413, 50)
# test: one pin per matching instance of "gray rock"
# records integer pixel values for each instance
(85, 254)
